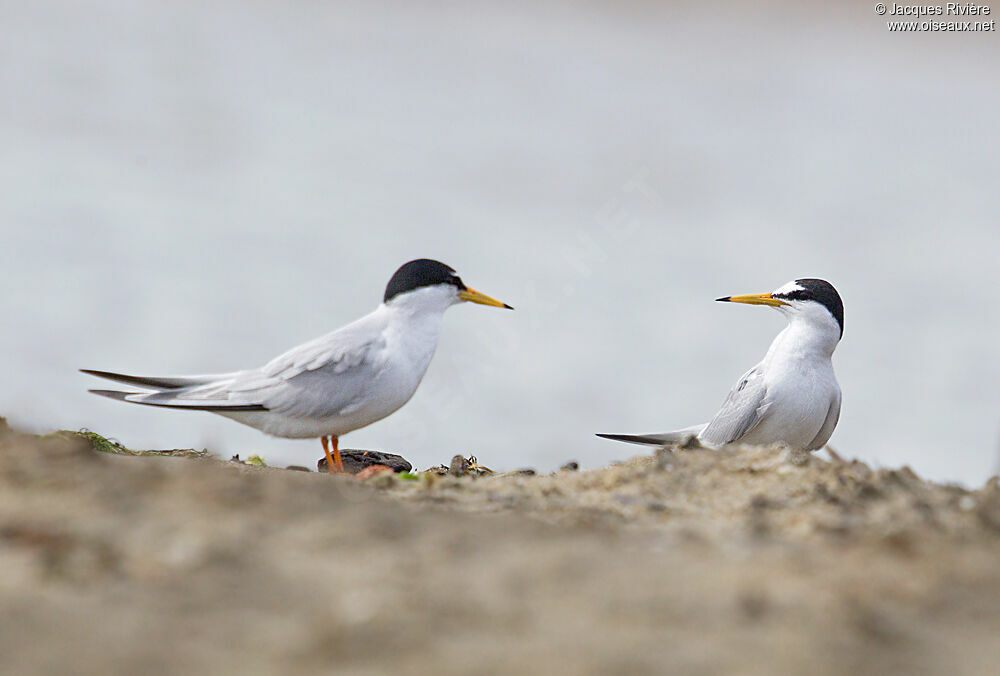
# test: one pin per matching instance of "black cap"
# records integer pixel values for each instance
(420, 273)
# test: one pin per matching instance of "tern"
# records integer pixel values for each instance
(335, 384)
(791, 397)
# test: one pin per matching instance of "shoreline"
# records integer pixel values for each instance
(750, 560)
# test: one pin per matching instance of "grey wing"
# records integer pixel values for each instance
(742, 410)
(830, 424)
(328, 376)
(336, 388)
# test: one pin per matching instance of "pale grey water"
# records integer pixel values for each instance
(194, 187)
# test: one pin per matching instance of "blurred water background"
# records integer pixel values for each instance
(194, 187)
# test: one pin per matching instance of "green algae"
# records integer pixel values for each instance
(101, 444)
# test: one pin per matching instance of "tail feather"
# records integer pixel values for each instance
(154, 382)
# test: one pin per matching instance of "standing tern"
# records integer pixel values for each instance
(334, 384)
(792, 396)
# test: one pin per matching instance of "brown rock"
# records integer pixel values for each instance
(356, 460)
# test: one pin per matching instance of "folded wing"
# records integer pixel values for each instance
(743, 409)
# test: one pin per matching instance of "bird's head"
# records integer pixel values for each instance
(812, 300)
(428, 283)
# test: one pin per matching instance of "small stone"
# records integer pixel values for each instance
(299, 468)
(384, 478)
(459, 466)
(571, 466)
(355, 460)
(372, 470)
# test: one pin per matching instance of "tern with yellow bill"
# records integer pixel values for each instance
(792, 396)
(332, 385)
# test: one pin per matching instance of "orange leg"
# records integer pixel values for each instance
(333, 464)
(335, 442)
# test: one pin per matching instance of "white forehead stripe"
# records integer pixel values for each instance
(787, 288)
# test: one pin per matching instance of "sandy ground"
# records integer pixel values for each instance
(696, 561)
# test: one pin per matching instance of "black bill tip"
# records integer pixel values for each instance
(724, 299)
(507, 307)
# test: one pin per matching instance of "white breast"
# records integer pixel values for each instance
(800, 387)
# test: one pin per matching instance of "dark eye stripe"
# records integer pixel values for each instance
(798, 294)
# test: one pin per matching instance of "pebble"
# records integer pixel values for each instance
(374, 470)
(356, 460)
(459, 466)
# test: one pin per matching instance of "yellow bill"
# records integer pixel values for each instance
(474, 296)
(754, 299)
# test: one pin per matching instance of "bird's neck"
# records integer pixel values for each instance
(804, 339)
(417, 321)
(415, 330)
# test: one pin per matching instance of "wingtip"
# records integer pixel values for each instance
(642, 440)
(617, 437)
(112, 394)
(101, 374)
